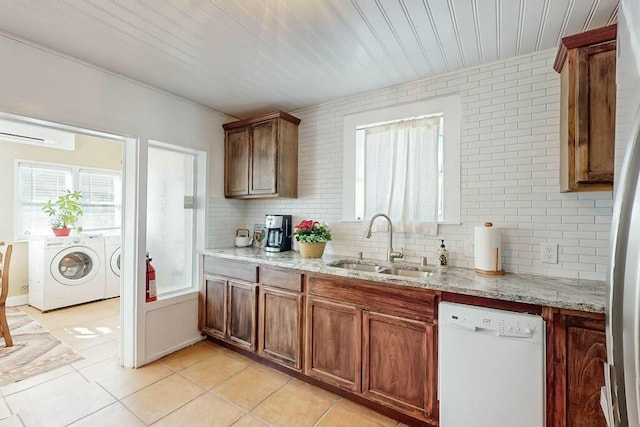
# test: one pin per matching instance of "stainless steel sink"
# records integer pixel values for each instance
(407, 272)
(349, 265)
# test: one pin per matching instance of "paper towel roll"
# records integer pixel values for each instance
(488, 249)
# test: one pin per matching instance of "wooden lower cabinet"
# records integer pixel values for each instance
(576, 354)
(215, 316)
(334, 343)
(280, 326)
(230, 311)
(243, 300)
(399, 364)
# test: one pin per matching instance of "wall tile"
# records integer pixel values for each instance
(509, 175)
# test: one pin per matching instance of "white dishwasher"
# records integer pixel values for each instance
(491, 367)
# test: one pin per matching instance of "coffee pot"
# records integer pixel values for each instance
(278, 233)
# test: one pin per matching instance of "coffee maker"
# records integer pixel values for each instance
(278, 228)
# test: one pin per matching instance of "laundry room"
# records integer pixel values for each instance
(40, 164)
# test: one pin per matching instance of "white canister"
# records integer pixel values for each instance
(488, 249)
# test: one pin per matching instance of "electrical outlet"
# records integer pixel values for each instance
(468, 248)
(549, 253)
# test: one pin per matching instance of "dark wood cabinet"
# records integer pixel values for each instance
(587, 66)
(242, 314)
(261, 157)
(576, 354)
(215, 322)
(334, 343)
(393, 360)
(280, 307)
(229, 301)
(399, 366)
(378, 342)
(280, 326)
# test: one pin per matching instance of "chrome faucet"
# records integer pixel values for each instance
(391, 254)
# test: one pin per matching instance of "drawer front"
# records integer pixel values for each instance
(409, 302)
(283, 279)
(235, 270)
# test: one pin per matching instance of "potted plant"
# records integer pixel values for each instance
(64, 212)
(312, 238)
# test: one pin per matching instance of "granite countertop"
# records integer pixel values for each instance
(584, 295)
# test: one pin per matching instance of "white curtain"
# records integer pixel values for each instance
(401, 174)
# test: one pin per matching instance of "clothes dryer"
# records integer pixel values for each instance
(112, 253)
(65, 271)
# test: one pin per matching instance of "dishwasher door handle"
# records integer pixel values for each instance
(519, 333)
(486, 331)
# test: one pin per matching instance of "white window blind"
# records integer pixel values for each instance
(399, 172)
(101, 199)
(38, 183)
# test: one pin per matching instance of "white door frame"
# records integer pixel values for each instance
(134, 213)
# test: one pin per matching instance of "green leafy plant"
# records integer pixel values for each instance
(309, 231)
(65, 211)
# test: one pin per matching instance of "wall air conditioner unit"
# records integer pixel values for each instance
(23, 133)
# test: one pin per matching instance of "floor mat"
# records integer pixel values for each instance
(35, 351)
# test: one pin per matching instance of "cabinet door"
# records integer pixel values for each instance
(334, 343)
(215, 322)
(280, 326)
(576, 353)
(236, 162)
(242, 314)
(399, 367)
(586, 355)
(264, 158)
(596, 114)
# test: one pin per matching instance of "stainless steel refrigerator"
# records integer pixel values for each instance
(620, 397)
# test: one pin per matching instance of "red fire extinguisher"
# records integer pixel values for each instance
(152, 293)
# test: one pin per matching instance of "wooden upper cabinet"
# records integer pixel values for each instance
(236, 162)
(261, 157)
(587, 66)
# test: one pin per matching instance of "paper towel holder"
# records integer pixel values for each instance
(495, 271)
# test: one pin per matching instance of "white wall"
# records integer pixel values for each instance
(38, 83)
(510, 172)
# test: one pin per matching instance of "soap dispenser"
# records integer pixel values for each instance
(443, 255)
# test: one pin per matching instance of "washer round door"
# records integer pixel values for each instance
(115, 262)
(75, 265)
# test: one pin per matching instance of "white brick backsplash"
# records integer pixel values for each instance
(510, 167)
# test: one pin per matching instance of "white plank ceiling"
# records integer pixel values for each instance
(243, 57)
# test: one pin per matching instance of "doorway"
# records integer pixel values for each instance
(43, 159)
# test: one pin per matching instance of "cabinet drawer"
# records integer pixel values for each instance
(235, 270)
(410, 302)
(283, 279)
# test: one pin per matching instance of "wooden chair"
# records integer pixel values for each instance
(5, 260)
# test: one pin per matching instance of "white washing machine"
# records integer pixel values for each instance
(112, 253)
(65, 271)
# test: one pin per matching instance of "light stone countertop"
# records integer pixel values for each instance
(584, 295)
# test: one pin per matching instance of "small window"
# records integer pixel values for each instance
(38, 183)
(101, 200)
(404, 161)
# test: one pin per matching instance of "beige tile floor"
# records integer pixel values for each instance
(203, 385)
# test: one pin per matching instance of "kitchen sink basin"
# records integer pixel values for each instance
(407, 272)
(384, 269)
(349, 265)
